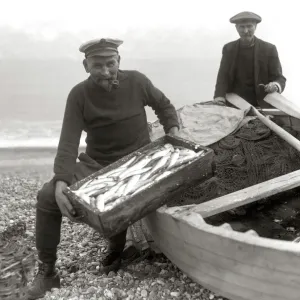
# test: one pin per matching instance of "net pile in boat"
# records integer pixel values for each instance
(16, 262)
(250, 156)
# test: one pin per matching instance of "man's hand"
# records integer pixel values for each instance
(271, 87)
(174, 131)
(220, 101)
(63, 202)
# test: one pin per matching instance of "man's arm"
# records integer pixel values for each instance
(222, 77)
(275, 70)
(163, 108)
(72, 127)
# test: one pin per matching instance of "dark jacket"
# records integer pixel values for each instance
(115, 121)
(267, 68)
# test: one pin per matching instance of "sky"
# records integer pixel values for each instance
(114, 17)
(46, 20)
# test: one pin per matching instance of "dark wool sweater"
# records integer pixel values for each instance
(115, 122)
(244, 75)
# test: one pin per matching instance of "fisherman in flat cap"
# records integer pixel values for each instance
(250, 67)
(110, 107)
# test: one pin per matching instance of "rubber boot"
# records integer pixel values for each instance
(111, 262)
(112, 259)
(45, 279)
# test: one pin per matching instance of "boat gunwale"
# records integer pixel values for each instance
(242, 237)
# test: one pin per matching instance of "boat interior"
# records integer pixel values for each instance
(267, 156)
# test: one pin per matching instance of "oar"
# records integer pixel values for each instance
(283, 104)
(244, 105)
(248, 195)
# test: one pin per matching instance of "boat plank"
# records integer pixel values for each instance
(248, 195)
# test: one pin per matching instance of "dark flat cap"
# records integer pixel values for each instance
(245, 15)
(100, 47)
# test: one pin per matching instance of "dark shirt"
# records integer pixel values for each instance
(244, 75)
(115, 121)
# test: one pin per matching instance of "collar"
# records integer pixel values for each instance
(121, 75)
(247, 46)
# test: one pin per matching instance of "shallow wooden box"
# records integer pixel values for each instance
(111, 222)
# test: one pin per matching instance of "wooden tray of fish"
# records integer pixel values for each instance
(127, 190)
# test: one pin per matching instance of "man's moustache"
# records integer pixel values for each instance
(104, 78)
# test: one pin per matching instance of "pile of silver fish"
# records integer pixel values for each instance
(140, 172)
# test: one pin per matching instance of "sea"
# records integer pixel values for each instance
(31, 134)
(16, 133)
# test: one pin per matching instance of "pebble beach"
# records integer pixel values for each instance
(22, 173)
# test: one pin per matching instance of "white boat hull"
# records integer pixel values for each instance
(235, 265)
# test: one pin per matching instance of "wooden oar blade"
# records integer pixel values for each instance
(283, 104)
(238, 102)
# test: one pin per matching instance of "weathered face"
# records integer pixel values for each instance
(101, 67)
(246, 31)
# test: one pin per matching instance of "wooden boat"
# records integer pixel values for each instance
(235, 265)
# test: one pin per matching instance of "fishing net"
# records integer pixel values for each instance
(16, 263)
(251, 155)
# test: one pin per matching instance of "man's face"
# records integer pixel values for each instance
(101, 67)
(246, 31)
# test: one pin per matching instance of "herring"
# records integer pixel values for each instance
(131, 183)
(84, 197)
(169, 146)
(141, 164)
(92, 188)
(185, 152)
(161, 163)
(86, 184)
(142, 183)
(163, 175)
(109, 189)
(184, 160)
(121, 189)
(161, 153)
(96, 192)
(134, 172)
(174, 158)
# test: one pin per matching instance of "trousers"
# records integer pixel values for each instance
(49, 217)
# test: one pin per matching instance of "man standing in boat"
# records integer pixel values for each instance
(250, 67)
(109, 106)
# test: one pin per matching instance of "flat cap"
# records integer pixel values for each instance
(245, 15)
(100, 47)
